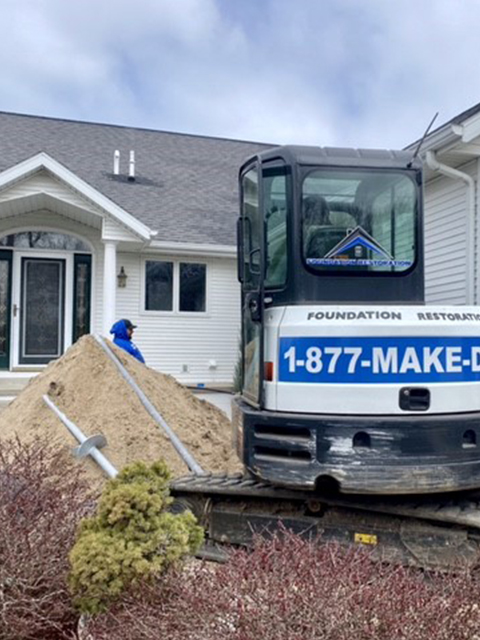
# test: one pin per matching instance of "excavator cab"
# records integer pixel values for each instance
(350, 383)
(347, 378)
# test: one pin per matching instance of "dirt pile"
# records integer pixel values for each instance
(87, 387)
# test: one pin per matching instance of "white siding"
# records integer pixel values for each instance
(113, 230)
(172, 342)
(43, 182)
(446, 208)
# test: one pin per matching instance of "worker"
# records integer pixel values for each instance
(123, 331)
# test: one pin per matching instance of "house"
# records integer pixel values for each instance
(451, 155)
(100, 222)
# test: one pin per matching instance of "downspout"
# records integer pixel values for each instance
(435, 165)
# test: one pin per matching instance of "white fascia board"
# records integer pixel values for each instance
(450, 133)
(445, 135)
(191, 249)
(44, 161)
(469, 130)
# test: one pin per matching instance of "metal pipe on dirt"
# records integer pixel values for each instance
(90, 449)
(181, 449)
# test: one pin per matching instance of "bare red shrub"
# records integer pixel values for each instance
(42, 499)
(289, 588)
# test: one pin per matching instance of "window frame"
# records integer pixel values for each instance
(144, 287)
(353, 273)
(175, 289)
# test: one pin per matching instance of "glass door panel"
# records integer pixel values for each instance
(82, 285)
(252, 288)
(42, 310)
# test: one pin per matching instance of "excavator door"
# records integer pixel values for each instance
(251, 267)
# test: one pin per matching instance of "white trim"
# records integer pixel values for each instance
(191, 249)
(469, 130)
(442, 137)
(109, 285)
(44, 161)
(450, 133)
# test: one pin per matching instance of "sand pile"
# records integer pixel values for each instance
(87, 387)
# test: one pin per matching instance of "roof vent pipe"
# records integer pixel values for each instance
(131, 166)
(116, 163)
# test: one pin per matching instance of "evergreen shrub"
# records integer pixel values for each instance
(132, 537)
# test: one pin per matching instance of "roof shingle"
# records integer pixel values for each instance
(185, 186)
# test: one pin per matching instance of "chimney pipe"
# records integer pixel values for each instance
(116, 163)
(131, 167)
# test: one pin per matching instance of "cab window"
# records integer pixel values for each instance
(358, 221)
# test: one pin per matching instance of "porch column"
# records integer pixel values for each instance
(109, 285)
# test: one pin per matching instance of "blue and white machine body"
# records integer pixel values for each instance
(349, 380)
(357, 360)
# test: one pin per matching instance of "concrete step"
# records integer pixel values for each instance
(5, 401)
(10, 392)
(11, 383)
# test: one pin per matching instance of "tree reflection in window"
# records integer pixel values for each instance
(44, 240)
(192, 286)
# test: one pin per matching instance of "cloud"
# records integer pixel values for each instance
(336, 72)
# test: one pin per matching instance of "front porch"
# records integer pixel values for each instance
(59, 240)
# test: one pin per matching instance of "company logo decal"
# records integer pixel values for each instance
(358, 241)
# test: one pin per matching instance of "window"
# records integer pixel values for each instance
(44, 240)
(251, 229)
(359, 221)
(82, 284)
(159, 286)
(192, 286)
(275, 194)
(173, 286)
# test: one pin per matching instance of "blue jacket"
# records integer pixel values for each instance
(122, 340)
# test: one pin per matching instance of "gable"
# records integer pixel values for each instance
(42, 190)
(41, 181)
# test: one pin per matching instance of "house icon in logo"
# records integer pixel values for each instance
(358, 238)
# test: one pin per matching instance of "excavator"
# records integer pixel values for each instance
(358, 418)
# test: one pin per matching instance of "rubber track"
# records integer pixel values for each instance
(461, 510)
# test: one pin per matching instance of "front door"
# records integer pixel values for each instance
(42, 310)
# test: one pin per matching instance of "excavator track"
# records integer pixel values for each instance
(440, 532)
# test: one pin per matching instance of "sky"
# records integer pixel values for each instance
(362, 73)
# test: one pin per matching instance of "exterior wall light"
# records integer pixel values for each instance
(122, 278)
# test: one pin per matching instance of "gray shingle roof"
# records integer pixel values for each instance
(185, 187)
